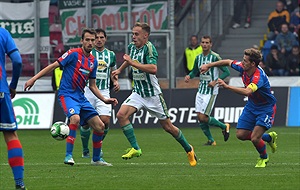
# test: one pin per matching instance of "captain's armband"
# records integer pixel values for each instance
(252, 86)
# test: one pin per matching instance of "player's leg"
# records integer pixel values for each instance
(256, 139)
(74, 122)
(157, 107)
(71, 108)
(14, 147)
(131, 105)
(85, 133)
(178, 135)
(271, 137)
(97, 138)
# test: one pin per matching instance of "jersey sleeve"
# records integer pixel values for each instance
(152, 55)
(66, 57)
(237, 65)
(94, 71)
(113, 60)
(195, 71)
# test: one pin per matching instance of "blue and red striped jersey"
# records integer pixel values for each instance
(77, 69)
(7, 46)
(263, 95)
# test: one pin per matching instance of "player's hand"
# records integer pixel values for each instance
(116, 86)
(29, 84)
(212, 83)
(127, 58)
(12, 92)
(187, 78)
(204, 68)
(115, 73)
(221, 83)
(112, 101)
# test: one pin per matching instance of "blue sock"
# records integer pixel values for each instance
(266, 137)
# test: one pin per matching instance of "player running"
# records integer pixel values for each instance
(258, 114)
(208, 90)
(142, 59)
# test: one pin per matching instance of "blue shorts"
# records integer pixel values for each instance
(81, 107)
(251, 117)
(7, 115)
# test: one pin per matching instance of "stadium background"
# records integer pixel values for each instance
(44, 35)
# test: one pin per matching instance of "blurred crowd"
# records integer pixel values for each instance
(281, 50)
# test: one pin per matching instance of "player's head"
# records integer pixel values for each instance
(140, 33)
(252, 56)
(206, 43)
(100, 39)
(88, 39)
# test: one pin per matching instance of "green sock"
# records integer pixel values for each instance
(105, 132)
(85, 136)
(206, 131)
(181, 139)
(214, 122)
(129, 133)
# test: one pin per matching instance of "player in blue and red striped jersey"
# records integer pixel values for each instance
(79, 67)
(258, 114)
(8, 124)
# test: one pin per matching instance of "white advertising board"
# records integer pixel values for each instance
(34, 110)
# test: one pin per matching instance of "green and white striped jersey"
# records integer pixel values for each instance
(145, 84)
(106, 60)
(211, 75)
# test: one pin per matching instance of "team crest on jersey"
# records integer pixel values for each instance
(133, 68)
(102, 65)
(71, 111)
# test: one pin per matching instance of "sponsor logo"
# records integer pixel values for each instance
(31, 109)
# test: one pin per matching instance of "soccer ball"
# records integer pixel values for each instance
(59, 130)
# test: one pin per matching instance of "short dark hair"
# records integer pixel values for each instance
(207, 37)
(99, 30)
(88, 30)
(254, 55)
(144, 26)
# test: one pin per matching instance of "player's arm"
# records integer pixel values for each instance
(97, 93)
(148, 68)
(17, 68)
(114, 80)
(225, 62)
(40, 74)
(243, 91)
(225, 72)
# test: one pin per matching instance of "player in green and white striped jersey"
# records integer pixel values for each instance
(208, 90)
(146, 93)
(106, 63)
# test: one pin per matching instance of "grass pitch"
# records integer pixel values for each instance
(163, 165)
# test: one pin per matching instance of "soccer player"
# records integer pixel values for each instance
(208, 90)
(106, 62)
(79, 67)
(258, 114)
(8, 123)
(146, 92)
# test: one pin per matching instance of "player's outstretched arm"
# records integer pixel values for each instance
(40, 74)
(226, 62)
(243, 91)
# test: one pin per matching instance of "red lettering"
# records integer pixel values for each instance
(156, 25)
(108, 22)
(96, 21)
(81, 24)
(145, 16)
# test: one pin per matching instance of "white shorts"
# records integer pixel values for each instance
(101, 107)
(204, 103)
(155, 105)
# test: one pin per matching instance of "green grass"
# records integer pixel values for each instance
(162, 166)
